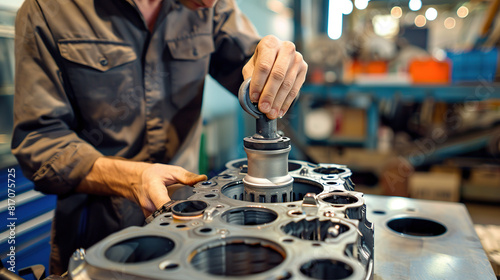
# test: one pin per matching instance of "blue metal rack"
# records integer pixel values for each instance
(373, 94)
(451, 94)
(416, 93)
(33, 219)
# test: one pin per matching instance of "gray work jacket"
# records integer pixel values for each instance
(92, 80)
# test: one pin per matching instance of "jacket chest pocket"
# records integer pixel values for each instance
(189, 66)
(100, 55)
(101, 76)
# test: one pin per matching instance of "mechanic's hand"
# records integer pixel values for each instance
(278, 71)
(151, 193)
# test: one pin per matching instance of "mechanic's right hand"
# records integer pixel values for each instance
(151, 191)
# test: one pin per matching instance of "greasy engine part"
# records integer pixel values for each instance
(262, 218)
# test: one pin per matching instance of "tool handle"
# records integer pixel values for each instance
(266, 128)
(245, 102)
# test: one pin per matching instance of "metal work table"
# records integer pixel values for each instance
(440, 240)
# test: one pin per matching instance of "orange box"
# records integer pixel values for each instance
(429, 71)
(376, 67)
(353, 69)
(368, 67)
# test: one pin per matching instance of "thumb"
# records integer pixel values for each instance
(189, 178)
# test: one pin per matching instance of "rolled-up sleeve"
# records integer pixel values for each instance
(44, 142)
(235, 40)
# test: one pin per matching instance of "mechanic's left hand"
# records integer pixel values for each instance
(278, 71)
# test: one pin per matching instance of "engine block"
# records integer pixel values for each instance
(319, 232)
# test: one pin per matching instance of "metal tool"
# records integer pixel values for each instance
(267, 179)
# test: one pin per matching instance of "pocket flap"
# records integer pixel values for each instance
(191, 47)
(101, 55)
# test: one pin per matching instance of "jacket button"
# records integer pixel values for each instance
(103, 62)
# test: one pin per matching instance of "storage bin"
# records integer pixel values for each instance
(429, 71)
(474, 65)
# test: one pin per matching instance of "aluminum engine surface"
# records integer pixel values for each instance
(321, 234)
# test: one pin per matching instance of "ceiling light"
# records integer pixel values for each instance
(334, 20)
(396, 12)
(431, 14)
(420, 21)
(415, 5)
(462, 11)
(346, 6)
(385, 26)
(361, 4)
(450, 23)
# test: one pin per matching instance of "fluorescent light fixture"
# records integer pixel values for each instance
(431, 14)
(346, 6)
(415, 5)
(361, 4)
(334, 20)
(336, 10)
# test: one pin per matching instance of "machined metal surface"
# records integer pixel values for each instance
(212, 234)
(422, 239)
(322, 234)
(267, 179)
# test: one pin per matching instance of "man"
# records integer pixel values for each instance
(108, 99)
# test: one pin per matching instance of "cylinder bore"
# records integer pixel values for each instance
(314, 229)
(414, 226)
(339, 199)
(139, 249)
(301, 187)
(237, 257)
(249, 216)
(292, 166)
(234, 190)
(189, 208)
(329, 170)
(326, 269)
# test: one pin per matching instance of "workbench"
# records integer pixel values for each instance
(436, 240)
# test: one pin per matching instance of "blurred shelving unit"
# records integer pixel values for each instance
(374, 94)
(363, 153)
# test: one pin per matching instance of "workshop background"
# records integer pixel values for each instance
(406, 93)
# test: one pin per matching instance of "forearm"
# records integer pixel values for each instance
(113, 176)
(144, 183)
